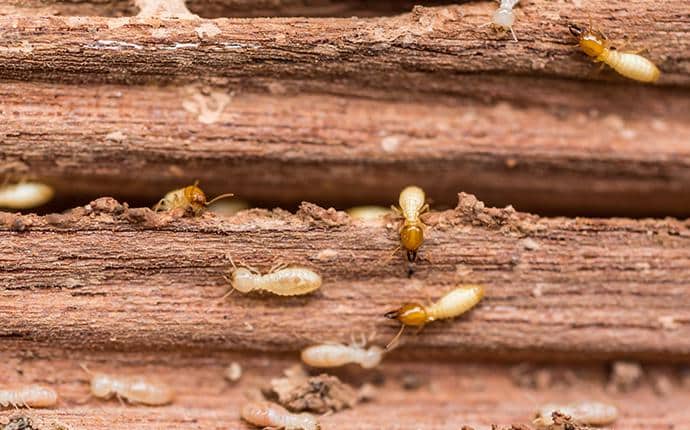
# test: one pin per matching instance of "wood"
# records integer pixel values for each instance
(271, 148)
(344, 111)
(222, 8)
(430, 50)
(568, 288)
(450, 395)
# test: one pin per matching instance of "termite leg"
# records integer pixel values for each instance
(119, 398)
(396, 210)
(513, 33)
(278, 266)
(424, 208)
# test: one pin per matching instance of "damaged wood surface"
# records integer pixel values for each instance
(408, 395)
(220, 8)
(106, 275)
(588, 154)
(428, 50)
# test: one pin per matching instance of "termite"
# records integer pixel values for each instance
(267, 414)
(134, 389)
(631, 65)
(281, 280)
(25, 195)
(337, 354)
(453, 304)
(587, 413)
(504, 17)
(30, 396)
(191, 198)
(412, 204)
(368, 213)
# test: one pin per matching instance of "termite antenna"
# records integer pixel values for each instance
(513, 33)
(85, 369)
(229, 257)
(394, 342)
(222, 196)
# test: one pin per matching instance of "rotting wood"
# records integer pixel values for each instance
(221, 8)
(452, 394)
(569, 288)
(588, 155)
(426, 49)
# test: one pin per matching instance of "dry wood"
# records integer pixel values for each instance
(449, 396)
(574, 288)
(565, 150)
(430, 49)
(220, 8)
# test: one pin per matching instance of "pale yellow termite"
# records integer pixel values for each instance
(504, 17)
(587, 413)
(455, 303)
(267, 414)
(280, 280)
(134, 389)
(412, 204)
(368, 213)
(337, 354)
(631, 65)
(228, 207)
(25, 195)
(191, 198)
(30, 396)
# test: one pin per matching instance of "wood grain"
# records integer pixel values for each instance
(450, 394)
(563, 152)
(568, 288)
(220, 8)
(428, 50)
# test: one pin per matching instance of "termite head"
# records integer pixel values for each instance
(196, 198)
(243, 280)
(504, 18)
(101, 385)
(591, 42)
(412, 314)
(371, 357)
(411, 238)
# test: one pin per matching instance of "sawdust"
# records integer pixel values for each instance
(300, 392)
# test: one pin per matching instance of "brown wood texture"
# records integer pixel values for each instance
(450, 395)
(343, 111)
(563, 151)
(107, 276)
(220, 8)
(430, 49)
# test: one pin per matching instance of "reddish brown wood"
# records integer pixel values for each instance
(563, 151)
(222, 8)
(450, 394)
(568, 288)
(428, 50)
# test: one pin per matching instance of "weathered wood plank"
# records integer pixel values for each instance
(450, 394)
(563, 151)
(428, 49)
(124, 278)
